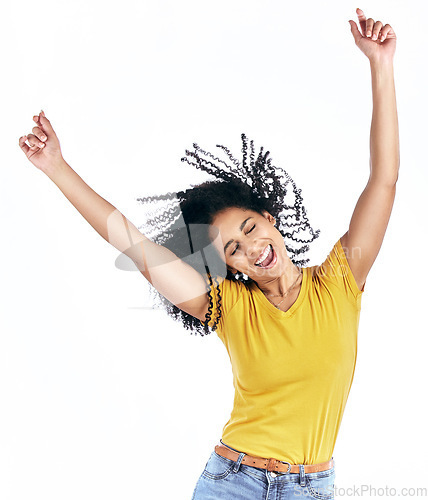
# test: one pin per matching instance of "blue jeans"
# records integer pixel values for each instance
(225, 479)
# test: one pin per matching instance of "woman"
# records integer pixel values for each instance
(223, 260)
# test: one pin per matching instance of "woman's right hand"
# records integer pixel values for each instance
(44, 151)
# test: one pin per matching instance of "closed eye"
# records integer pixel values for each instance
(236, 248)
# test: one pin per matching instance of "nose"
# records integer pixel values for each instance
(254, 251)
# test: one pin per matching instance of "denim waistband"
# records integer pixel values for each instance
(312, 480)
(239, 451)
(230, 448)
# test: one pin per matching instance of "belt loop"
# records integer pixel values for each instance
(238, 462)
(302, 475)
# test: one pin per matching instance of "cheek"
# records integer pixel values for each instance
(240, 263)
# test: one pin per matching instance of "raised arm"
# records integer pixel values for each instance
(369, 221)
(171, 276)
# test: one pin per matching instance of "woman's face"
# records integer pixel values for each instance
(249, 242)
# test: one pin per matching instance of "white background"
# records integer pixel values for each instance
(105, 398)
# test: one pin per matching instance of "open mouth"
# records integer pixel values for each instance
(267, 259)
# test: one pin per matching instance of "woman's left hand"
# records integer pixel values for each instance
(377, 41)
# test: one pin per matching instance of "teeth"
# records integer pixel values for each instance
(263, 255)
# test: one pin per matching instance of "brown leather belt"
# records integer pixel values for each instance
(271, 464)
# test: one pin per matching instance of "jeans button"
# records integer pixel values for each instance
(273, 474)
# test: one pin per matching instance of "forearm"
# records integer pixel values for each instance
(176, 280)
(109, 222)
(384, 140)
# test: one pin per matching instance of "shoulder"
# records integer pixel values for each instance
(230, 289)
(335, 269)
(225, 294)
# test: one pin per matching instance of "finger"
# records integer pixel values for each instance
(355, 31)
(34, 142)
(38, 119)
(369, 27)
(46, 124)
(362, 19)
(22, 144)
(384, 32)
(377, 27)
(39, 133)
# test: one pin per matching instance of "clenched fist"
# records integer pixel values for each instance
(44, 150)
(376, 41)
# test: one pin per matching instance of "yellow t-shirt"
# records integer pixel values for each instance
(293, 370)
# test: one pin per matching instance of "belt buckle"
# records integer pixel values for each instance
(272, 462)
(289, 467)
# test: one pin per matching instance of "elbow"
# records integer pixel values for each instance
(387, 179)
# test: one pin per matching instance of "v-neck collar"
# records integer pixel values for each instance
(264, 301)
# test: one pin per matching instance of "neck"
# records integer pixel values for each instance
(282, 284)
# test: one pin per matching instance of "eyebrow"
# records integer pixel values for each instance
(241, 227)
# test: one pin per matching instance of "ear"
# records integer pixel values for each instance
(269, 217)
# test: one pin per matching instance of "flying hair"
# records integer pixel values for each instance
(180, 220)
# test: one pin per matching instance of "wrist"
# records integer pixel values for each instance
(381, 64)
(382, 73)
(56, 169)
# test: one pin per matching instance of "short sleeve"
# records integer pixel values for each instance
(335, 269)
(230, 293)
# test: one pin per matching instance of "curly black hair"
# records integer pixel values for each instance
(253, 184)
